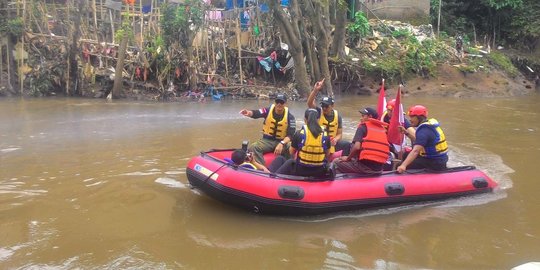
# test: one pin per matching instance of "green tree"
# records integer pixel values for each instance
(180, 23)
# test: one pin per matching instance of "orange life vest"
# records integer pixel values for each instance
(375, 143)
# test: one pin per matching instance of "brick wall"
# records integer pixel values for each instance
(413, 11)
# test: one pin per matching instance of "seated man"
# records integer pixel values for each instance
(330, 119)
(311, 146)
(243, 159)
(370, 149)
(430, 150)
(279, 126)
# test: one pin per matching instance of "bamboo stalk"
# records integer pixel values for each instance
(43, 8)
(38, 23)
(1, 63)
(225, 51)
(101, 11)
(239, 43)
(132, 14)
(142, 23)
(207, 52)
(21, 58)
(8, 51)
(112, 25)
(94, 10)
(68, 64)
(213, 52)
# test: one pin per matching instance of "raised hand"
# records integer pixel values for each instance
(319, 85)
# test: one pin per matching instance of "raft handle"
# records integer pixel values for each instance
(479, 182)
(291, 192)
(394, 189)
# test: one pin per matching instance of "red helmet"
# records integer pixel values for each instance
(391, 104)
(417, 110)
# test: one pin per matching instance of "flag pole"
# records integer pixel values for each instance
(397, 115)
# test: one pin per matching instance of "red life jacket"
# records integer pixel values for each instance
(375, 143)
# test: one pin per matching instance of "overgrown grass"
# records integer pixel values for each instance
(503, 62)
(409, 57)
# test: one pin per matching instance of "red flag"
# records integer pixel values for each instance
(381, 104)
(394, 135)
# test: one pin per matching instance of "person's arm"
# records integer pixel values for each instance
(339, 131)
(246, 113)
(409, 130)
(260, 113)
(355, 150)
(292, 151)
(294, 143)
(328, 144)
(361, 131)
(281, 144)
(411, 133)
(291, 130)
(290, 133)
(410, 158)
(316, 89)
(259, 166)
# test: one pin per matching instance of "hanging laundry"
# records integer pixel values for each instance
(268, 61)
(289, 65)
(146, 9)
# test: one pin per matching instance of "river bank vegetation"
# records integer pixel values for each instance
(185, 50)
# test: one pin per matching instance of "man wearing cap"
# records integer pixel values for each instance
(370, 149)
(330, 119)
(430, 149)
(278, 128)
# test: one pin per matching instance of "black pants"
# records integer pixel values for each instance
(276, 163)
(438, 164)
(345, 146)
(292, 167)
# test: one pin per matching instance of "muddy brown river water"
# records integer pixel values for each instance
(86, 184)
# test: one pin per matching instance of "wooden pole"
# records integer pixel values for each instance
(142, 23)
(132, 14)
(21, 58)
(158, 16)
(8, 51)
(239, 43)
(1, 62)
(94, 10)
(213, 51)
(112, 25)
(101, 11)
(225, 50)
(439, 19)
(68, 64)
(207, 49)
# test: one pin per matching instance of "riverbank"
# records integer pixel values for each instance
(451, 82)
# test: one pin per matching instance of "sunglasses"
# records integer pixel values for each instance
(280, 102)
(324, 106)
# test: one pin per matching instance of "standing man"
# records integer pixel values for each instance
(430, 149)
(278, 128)
(370, 149)
(330, 119)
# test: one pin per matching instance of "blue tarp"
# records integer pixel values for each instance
(240, 3)
(230, 4)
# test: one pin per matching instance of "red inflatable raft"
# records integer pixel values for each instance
(292, 195)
